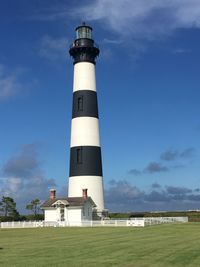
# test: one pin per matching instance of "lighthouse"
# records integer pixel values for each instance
(85, 170)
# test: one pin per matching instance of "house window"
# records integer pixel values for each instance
(79, 155)
(80, 103)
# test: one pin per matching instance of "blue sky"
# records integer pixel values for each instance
(148, 91)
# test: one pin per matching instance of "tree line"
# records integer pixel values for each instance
(8, 210)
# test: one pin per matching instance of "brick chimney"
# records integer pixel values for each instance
(85, 193)
(52, 194)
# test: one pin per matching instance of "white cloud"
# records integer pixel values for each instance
(181, 51)
(123, 196)
(143, 19)
(14, 184)
(23, 178)
(131, 23)
(53, 48)
(138, 19)
(9, 83)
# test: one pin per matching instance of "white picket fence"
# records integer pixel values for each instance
(160, 220)
(134, 222)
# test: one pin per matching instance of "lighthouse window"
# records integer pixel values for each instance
(80, 103)
(79, 155)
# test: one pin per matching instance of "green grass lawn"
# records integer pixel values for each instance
(162, 245)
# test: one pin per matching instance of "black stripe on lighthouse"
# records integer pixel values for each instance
(85, 104)
(85, 160)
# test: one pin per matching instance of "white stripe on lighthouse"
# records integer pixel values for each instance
(94, 184)
(85, 132)
(84, 76)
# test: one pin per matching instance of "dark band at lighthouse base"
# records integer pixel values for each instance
(85, 160)
(85, 104)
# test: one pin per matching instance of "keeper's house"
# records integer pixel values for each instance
(72, 210)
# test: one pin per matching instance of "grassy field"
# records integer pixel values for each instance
(155, 246)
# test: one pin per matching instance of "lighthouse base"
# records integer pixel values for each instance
(94, 186)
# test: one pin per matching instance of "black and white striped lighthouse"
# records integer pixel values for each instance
(85, 150)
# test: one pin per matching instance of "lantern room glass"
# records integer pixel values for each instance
(84, 32)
